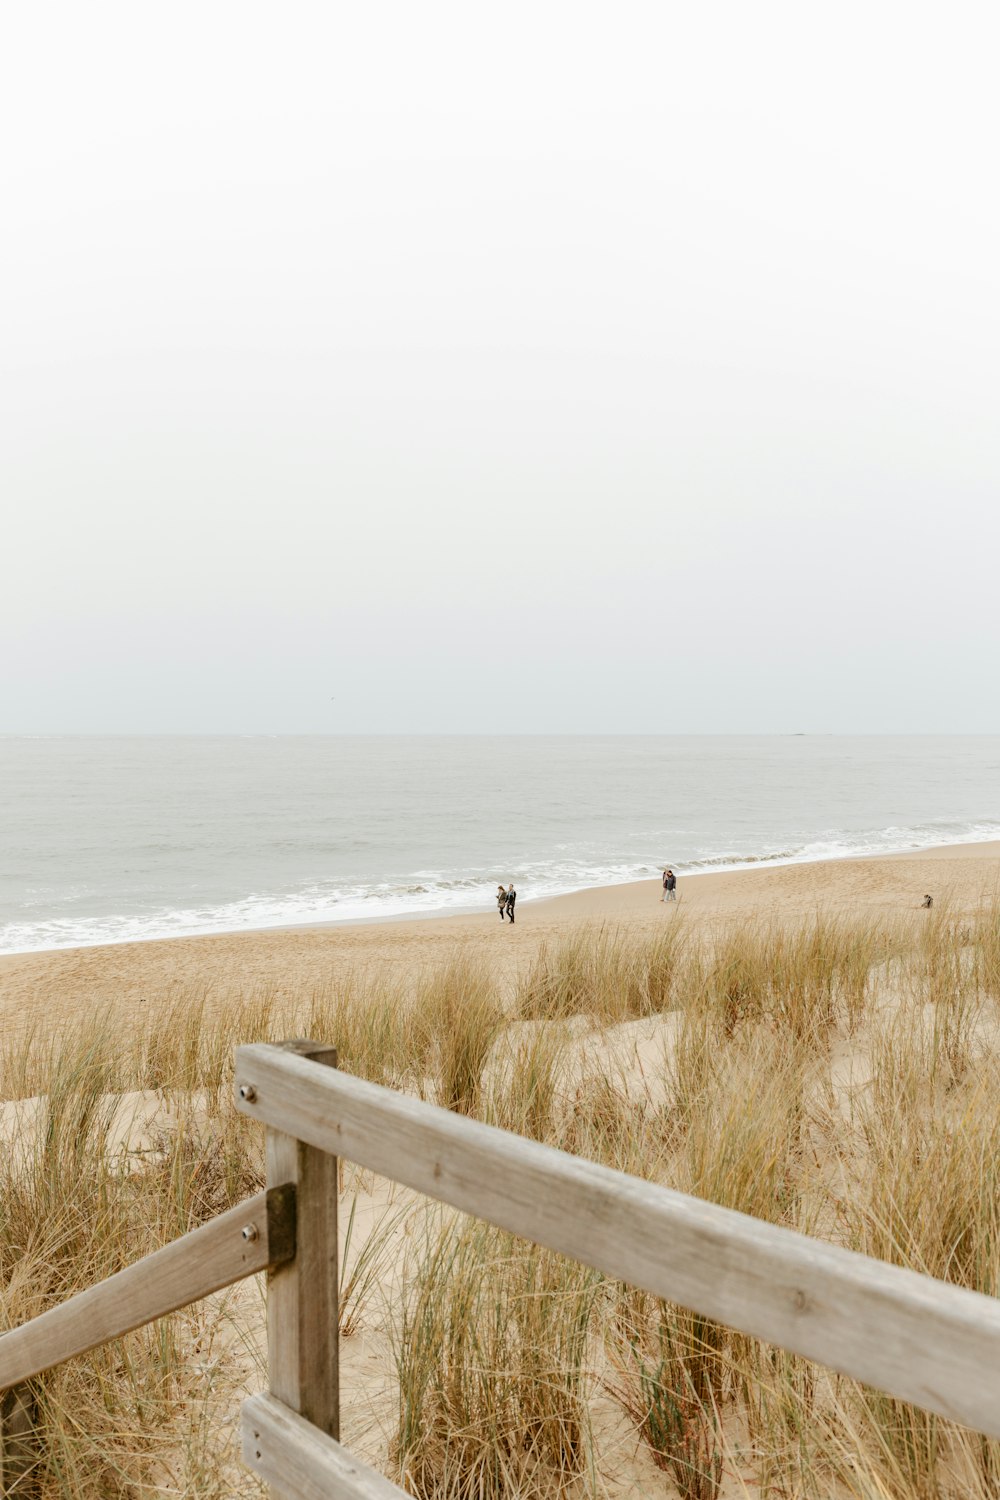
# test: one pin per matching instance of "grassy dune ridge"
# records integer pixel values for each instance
(840, 1076)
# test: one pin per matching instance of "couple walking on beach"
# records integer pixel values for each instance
(505, 901)
(669, 885)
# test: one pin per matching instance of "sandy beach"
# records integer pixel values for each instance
(789, 1124)
(41, 989)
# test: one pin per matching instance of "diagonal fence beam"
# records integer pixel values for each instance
(258, 1233)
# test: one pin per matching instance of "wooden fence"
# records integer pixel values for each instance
(921, 1340)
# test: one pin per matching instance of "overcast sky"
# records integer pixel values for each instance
(547, 366)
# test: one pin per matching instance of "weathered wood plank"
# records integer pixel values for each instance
(302, 1315)
(921, 1340)
(190, 1268)
(294, 1456)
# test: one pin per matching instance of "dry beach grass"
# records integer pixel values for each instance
(835, 1070)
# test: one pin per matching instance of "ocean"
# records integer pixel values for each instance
(110, 840)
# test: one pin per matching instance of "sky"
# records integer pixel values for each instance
(549, 367)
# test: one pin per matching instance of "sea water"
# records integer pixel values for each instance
(107, 840)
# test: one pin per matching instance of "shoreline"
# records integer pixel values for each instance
(42, 992)
(977, 849)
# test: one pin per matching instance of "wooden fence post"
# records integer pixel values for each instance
(302, 1311)
(19, 1446)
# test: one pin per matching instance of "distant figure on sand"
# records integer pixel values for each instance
(670, 885)
(927, 901)
(511, 898)
(501, 900)
(663, 893)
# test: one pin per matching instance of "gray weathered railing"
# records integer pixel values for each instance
(921, 1340)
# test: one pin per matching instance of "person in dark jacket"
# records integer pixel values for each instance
(501, 900)
(511, 898)
(670, 882)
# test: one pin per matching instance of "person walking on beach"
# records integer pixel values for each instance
(670, 885)
(511, 898)
(501, 900)
(663, 893)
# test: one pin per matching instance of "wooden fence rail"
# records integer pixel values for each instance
(258, 1233)
(296, 1458)
(921, 1340)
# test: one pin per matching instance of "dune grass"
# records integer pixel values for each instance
(838, 1077)
(491, 1352)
